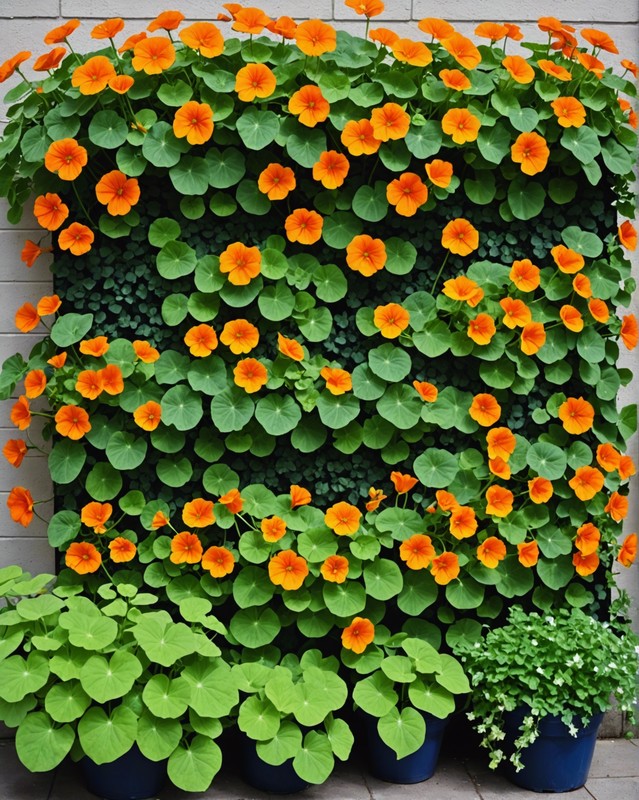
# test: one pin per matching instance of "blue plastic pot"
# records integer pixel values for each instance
(130, 777)
(556, 761)
(414, 768)
(280, 779)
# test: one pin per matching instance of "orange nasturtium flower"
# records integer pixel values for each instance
(315, 37)
(587, 539)
(93, 76)
(525, 275)
(417, 552)
(72, 421)
(48, 305)
(288, 570)
(240, 336)
(283, 26)
(608, 457)
(112, 381)
(49, 61)
(250, 20)
(446, 500)
(358, 635)
(121, 83)
(581, 285)
(359, 139)
(500, 501)
(27, 318)
(232, 501)
(391, 320)
(276, 181)
(445, 568)
(571, 317)
(627, 235)
(290, 348)
(254, 80)
(569, 111)
(338, 381)
(131, 41)
(587, 482)
(629, 331)
(628, 551)
(384, 36)
(186, 548)
(627, 467)
(389, 122)
(500, 468)
(554, 70)
(153, 55)
(299, 496)
(533, 338)
(205, 37)
(461, 125)
(77, 238)
(519, 69)
(166, 21)
(273, 528)
(50, 211)
(501, 443)
(94, 347)
(335, 569)
(485, 409)
(403, 483)
(435, 27)
(568, 261)
(35, 383)
(577, 415)
(407, 193)
(108, 29)
(617, 506)
(21, 413)
(410, 52)
(82, 557)
(585, 565)
(60, 33)
(463, 290)
(20, 505)
(66, 157)
(145, 352)
(531, 152)
(455, 79)
(194, 121)
(460, 237)
(241, 263)
(121, 550)
(462, 522)
(481, 329)
(14, 451)
(250, 374)
(491, 30)
(540, 490)
(117, 192)
(218, 561)
(201, 340)
(31, 251)
(343, 518)
(304, 226)
(516, 313)
(148, 415)
(462, 50)
(95, 515)
(491, 551)
(331, 169)
(439, 172)
(427, 391)
(89, 384)
(366, 255)
(528, 553)
(376, 497)
(309, 105)
(368, 8)
(599, 39)
(198, 513)
(159, 520)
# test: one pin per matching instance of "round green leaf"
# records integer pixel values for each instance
(330, 283)
(166, 698)
(182, 407)
(306, 146)
(375, 695)
(547, 460)
(344, 599)
(163, 230)
(161, 147)
(66, 702)
(175, 260)
(526, 198)
(63, 527)
(401, 406)
(258, 718)
(193, 766)
(316, 324)
(125, 451)
(70, 328)
(383, 579)
(336, 411)
(190, 176)
(175, 94)
(108, 130)
(106, 680)
(231, 410)
(66, 460)
(105, 737)
(255, 627)
(20, 677)
(226, 167)
(436, 468)
(314, 762)
(40, 744)
(370, 203)
(157, 738)
(400, 259)
(277, 414)
(285, 744)
(390, 363)
(103, 482)
(276, 302)
(219, 479)
(257, 129)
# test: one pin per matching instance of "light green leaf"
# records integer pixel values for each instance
(105, 737)
(40, 744)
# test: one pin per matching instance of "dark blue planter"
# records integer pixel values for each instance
(130, 777)
(556, 761)
(280, 779)
(414, 768)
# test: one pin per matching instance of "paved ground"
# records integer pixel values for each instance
(614, 776)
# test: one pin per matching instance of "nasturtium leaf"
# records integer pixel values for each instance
(171, 367)
(157, 738)
(434, 338)
(174, 472)
(252, 587)
(526, 198)
(240, 296)
(175, 260)
(465, 593)
(222, 204)
(125, 451)
(251, 199)
(400, 258)
(231, 409)
(431, 698)
(226, 167)
(276, 302)
(283, 746)
(383, 579)
(107, 736)
(63, 527)
(340, 229)
(366, 385)
(163, 640)
(255, 627)
(370, 203)
(584, 242)
(616, 157)
(67, 701)
(70, 328)
(253, 548)
(403, 731)
(348, 439)
(426, 140)
(114, 227)
(314, 761)
(375, 695)
(582, 142)
(277, 414)
(316, 544)
(389, 362)
(482, 189)
(330, 283)
(436, 468)
(556, 572)
(175, 94)
(218, 479)
(395, 156)
(203, 306)
(547, 460)
(161, 147)
(494, 142)
(306, 146)
(258, 718)
(103, 482)
(66, 460)
(336, 411)
(190, 176)
(182, 408)
(192, 207)
(562, 190)
(257, 129)
(35, 143)
(343, 600)
(419, 591)
(166, 698)
(41, 745)
(309, 434)
(208, 375)
(315, 324)
(105, 680)
(193, 765)
(553, 541)
(20, 677)
(61, 126)
(400, 406)
(108, 130)
(367, 95)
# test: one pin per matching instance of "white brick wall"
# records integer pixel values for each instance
(23, 24)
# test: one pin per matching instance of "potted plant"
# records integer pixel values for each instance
(107, 676)
(540, 686)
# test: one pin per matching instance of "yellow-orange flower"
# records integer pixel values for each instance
(455, 79)
(315, 37)
(83, 558)
(145, 352)
(205, 37)
(376, 497)
(599, 39)
(148, 416)
(27, 318)
(290, 348)
(309, 105)
(276, 181)
(410, 52)
(250, 20)
(48, 305)
(500, 501)
(500, 468)
(554, 70)
(446, 500)
(417, 552)
(343, 518)
(72, 421)
(587, 482)
(50, 211)
(389, 122)
(96, 515)
(108, 29)
(121, 550)
(525, 275)
(462, 50)
(14, 451)
(568, 261)
(167, 21)
(427, 391)
(628, 551)
(250, 374)
(186, 548)
(491, 551)
(585, 565)
(540, 490)
(273, 528)
(519, 69)
(201, 340)
(445, 568)
(407, 193)
(194, 121)
(485, 409)
(626, 467)
(528, 553)
(460, 237)
(577, 415)
(254, 80)
(338, 381)
(368, 8)
(131, 41)
(94, 347)
(89, 384)
(629, 331)
(331, 169)
(93, 76)
(111, 377)
(358, 635)
(198, 513)
(359, 138)
(283, 26)
(66, 157)
(31, 251)
(159, 520)
(608, 457)
(617, 506)
(491, 30)
(439, 172)
(60, 33)
(384, 36)
(218, 561)
(21, 413)
(627, 235)
(304, 226)
(462, 523)
(531, 152)
(117, 192)
(77, 238)
(581, 285)
(366, 255)
(569, 111)
(501, 443)
(463, 290)
(20, 505)
(516, 313)
(481, 329)
(571, 317)
(288, 570)
(435, 27)
(391, 320)
(11, 65)
(335, 569)
(241, 263)
(240, 336)
(153, 55)
(299, 496)
(533, 338)
(403, 483)
(461, 125)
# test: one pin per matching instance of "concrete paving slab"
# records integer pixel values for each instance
(451, 781)
(613, 789)
(615, 758)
